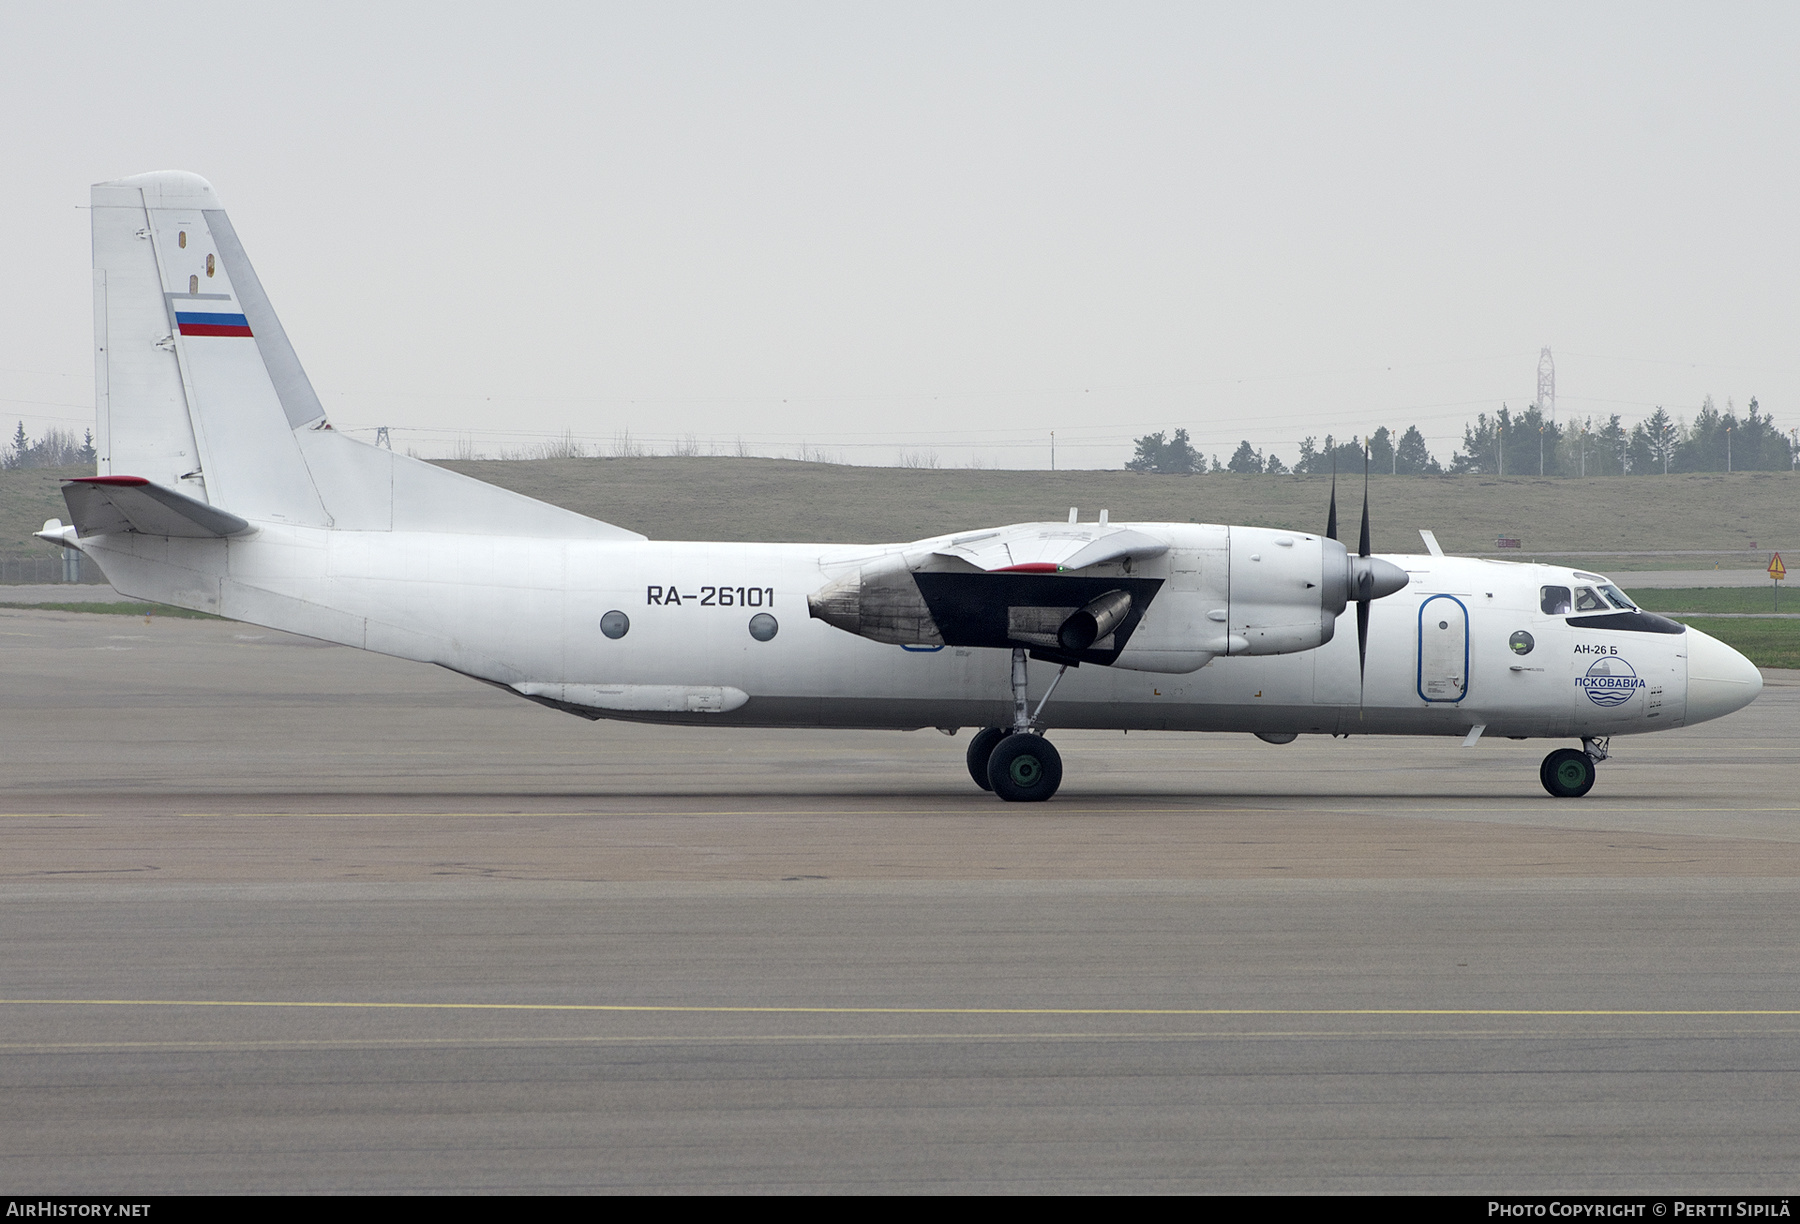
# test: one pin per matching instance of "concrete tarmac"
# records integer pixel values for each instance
(283, 916)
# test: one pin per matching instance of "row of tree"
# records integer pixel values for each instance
(1518, 444)
(57, 448)
(1406, 455)
(1524, 444)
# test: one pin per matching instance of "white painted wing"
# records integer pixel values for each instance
(1049, 547)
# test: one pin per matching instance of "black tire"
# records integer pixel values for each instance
(1567, 773)
(1025, 769)
(980, 749)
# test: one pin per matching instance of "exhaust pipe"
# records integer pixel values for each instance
(1099, 618)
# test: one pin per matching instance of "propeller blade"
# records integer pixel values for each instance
(1362, 652)
(1331, 519)
(1365, 594)
(1362, 547)
(1362, 634)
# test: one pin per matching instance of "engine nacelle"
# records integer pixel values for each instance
(881, 602)
(1288, 589)
(1279, 599)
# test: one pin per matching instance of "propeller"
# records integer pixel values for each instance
(1366, 578)
(1365, 592)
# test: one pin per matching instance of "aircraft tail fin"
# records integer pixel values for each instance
(196, 386)
(199, 392)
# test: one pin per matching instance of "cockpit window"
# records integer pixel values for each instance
(1617, 598)
(1554, 600)
(1587, 601)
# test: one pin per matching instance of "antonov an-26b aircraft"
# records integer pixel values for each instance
(222, 487)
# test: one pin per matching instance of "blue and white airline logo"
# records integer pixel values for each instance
(1610, 681)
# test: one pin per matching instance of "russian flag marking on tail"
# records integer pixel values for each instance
(208, 314)
(207, 324)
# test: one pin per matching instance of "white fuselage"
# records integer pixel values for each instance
(526, 613)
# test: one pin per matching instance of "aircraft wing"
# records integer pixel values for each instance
(1036, 585)
(1048, 548)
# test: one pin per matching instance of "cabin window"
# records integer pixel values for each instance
(763, 627)
(209, 265)
(615, 624)
(1587, 601)
(193, 284)
(181, 240)
(1554, 600)
(1618, 598)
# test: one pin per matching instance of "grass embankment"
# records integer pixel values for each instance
(29, 496)
(1751, 600)
(1763, 639)
(706, 498)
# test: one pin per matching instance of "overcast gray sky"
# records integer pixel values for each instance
(940, 227)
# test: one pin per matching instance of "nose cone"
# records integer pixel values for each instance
(1720, 680)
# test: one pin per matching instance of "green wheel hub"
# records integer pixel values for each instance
(1567, 773)
(1026, 770)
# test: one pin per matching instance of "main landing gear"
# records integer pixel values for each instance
(1568, 773)
(1018, 763)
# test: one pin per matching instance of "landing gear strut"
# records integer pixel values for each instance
(1018, 764)
(1568, 773)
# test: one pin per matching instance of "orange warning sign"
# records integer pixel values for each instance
(1777, 570)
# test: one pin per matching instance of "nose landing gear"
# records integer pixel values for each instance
(1018, 764)
(1568, 773)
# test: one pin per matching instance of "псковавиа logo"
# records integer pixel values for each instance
(1610, 681)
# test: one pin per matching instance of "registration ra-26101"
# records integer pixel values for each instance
(714, 597)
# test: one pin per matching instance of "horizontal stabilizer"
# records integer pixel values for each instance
(111, 505)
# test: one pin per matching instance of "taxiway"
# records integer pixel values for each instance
(287, 917)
